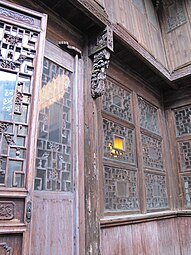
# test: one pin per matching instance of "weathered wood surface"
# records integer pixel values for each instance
(176, 33)
(145, 29)
(52, 228)
(157, 237)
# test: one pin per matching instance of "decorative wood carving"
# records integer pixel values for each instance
(102, 40)
(100, 48)
(100, 64)
(18, 47)
(7, 210)
(3, 127)
(16, 16)
(6, 248)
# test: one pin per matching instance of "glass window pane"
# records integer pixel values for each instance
(7, 90)
(54, 136)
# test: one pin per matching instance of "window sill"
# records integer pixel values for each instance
(112, 221)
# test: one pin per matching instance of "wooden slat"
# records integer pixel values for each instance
(184, 229)
(115, 241)
(52, 231)
(168, 239)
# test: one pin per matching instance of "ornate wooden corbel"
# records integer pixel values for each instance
(100, 48)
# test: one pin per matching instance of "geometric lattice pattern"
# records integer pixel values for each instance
(156, 191)
(148, 116)
(183, 121)
(53, 160)
(176, 14)
(17, 57)
(120, 189)
(187, 190)
(152, 152)
(117, 101)
(185, 155)
(110, 130)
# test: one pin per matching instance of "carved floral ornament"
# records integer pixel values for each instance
(100, 48)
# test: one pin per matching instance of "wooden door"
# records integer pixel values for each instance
(41, 140)
(22, 34)
(55, 217)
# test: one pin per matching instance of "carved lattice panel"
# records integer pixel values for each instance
(176, 15)
(111, 129)
(53, 162)
(148, 116)
(183, 121)
(18, 48)
(156, 191)
(120, 189)
(117, 101)
(185, 155)
(152, 152)
(187, 190)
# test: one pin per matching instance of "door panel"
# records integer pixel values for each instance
(52, 224)
(53, 200)
(22, 33)
(11, 244)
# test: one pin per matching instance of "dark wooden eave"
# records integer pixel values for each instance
(88, 17)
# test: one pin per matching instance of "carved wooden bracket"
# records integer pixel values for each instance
(64, 45)
(100, 64)
(100, 48)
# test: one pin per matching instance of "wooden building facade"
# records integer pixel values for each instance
(95, 127)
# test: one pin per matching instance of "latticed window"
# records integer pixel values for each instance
(53, 161)
(133, 152)
(183, 136)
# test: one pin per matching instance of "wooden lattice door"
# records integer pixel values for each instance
(22, 35)
(54, 196)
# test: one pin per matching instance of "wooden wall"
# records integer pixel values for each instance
(176, 32)
(162, 237)
(140, 20)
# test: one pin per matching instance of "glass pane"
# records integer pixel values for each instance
(156, 191)
(117, 101)
(126, 140)
(148, 116)
(187, 190)
(7, 90)
(183, 121)
(54, 136)
(120, 189)
(16, 85)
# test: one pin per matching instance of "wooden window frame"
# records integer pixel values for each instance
(143, 213)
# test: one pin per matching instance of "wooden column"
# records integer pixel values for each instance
(98, 52)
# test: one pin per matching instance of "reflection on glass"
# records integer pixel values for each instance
(54, 134)
(15, 176)
(52, 96)
(7, 89)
